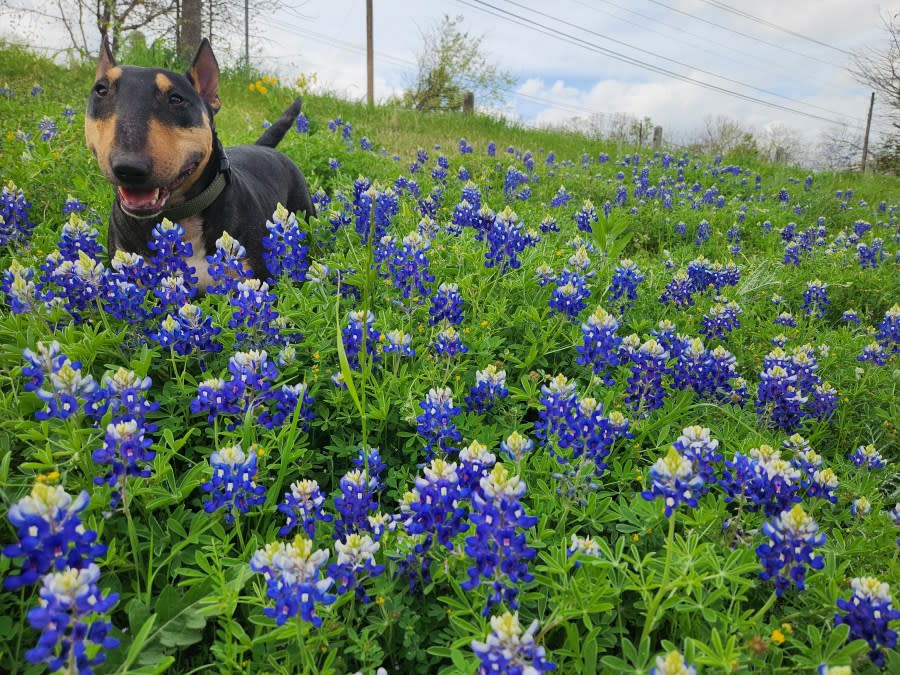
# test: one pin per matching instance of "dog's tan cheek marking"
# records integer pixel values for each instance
(113, 74)
(99, 135)
(172, 147)
(193, 235)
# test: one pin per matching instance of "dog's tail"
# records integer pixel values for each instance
(273, 135)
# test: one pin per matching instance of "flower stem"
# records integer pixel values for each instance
(663, 584)
(765, 608)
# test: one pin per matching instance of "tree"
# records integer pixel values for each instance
(451, 63)
(879, 68)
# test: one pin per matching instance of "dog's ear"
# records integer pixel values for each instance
(106, 60)
(204, 73)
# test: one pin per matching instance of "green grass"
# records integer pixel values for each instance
(188, 599)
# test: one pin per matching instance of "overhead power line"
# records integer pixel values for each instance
(493, 10)
(766, 22)
(670, 60)
(746, 35)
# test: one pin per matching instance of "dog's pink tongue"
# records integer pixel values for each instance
(139, 199)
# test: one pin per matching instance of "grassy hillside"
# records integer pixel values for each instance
(613, 299)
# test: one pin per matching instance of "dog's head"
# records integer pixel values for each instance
(152, 129)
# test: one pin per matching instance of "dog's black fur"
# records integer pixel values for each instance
(153, 134)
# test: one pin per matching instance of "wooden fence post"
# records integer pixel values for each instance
(468, 103)
(657, 137)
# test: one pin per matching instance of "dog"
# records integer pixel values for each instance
(154, 137)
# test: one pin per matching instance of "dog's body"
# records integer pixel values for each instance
(153, 134)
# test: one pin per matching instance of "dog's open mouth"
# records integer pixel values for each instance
(150, 202)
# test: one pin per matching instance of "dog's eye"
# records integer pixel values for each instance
(101, 90)
(175, 99)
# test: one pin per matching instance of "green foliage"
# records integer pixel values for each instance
(451, 63)
(189, 601)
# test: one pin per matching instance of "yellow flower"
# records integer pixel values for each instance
(777, 637)
(635, 537)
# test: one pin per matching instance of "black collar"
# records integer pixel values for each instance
(198, 204)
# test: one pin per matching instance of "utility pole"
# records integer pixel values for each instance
(247, 34)
(865, 154)
(370, 60)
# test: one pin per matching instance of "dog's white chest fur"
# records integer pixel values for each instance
(193, 235)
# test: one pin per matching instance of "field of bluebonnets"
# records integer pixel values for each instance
(514, 402)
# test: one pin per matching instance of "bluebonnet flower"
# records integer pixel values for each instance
(73, 205)
(672, 663)
(850, 316)
(697, 445)
(516, 446)
(600, 346)
(545, 274)
(509, 650)
(548, 225)
(870, 256)
(289, 400)
(302, 124)
(585, 216)
(357, 499)
(464, 147)
(860, 507)
(679, 291)
(285, 248)
(625, 280)
(561, 198)
(334, 163)
(188, 330)
(51, 535)
(581, 261)
(293, 579)
(448, 343)
(57, 381)
(875, 353)
(126, 448)
(589, 435)
(47, 127)
(785, 319)
(475, 462)
(680, 228)
(435, 507)
(435, 424)
(778, 398)
(673, 478)
(352, 335)
(889, 330)
(793, 538)
(169, 260)
(498, 547)
(465, 214)
(815, 298)
(124, 395)
(583, 547)
(571, 294)
(216, 396)
(490, 384)
(254, 315)
(446, 304)
(514, 178)
(721, 319)
(409, 265)
(232, 486)
(558, 398)
(303, 506)
(506, 241)
(373, 208)
(67, 615)
(645, 386)
(704, 231)
(869, 613)
(398, 342)
(355, 558)
(227, 266)
(18, 285)
(867, 456)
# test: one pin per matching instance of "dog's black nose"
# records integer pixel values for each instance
(132, 169)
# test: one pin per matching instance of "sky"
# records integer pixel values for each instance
(583, 58)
